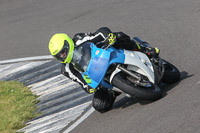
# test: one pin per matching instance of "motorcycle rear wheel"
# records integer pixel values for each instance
(148, 93)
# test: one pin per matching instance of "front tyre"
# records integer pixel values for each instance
(171, 75)
(148, 93)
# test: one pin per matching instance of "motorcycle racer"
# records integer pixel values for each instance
(62, 47)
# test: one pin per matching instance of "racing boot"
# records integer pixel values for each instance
(151, 52)
(146, 48)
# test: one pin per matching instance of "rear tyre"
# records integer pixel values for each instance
(171, 75)
(148, 93)
(103, 100)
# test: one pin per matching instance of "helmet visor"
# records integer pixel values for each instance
(63, 53)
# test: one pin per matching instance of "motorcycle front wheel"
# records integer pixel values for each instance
(121, 81)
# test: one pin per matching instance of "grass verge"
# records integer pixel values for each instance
(17, 105)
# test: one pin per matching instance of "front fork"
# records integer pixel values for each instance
(158, 67)
(120, 68)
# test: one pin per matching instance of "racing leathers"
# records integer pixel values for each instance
(99, 38)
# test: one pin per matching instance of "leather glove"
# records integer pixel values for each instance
(111, 39)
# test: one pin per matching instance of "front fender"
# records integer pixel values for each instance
(138, 62)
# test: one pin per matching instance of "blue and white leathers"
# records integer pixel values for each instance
(101, 59)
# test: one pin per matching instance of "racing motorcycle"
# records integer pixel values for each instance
(132, 72)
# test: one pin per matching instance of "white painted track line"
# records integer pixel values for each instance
(36, 58)
(62, 101)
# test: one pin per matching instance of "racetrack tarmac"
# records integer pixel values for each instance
(171, 25)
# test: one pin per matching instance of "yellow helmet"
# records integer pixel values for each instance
(61, 46)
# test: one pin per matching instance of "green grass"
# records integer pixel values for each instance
(17, 105)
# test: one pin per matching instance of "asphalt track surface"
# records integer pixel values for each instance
(172, 25)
